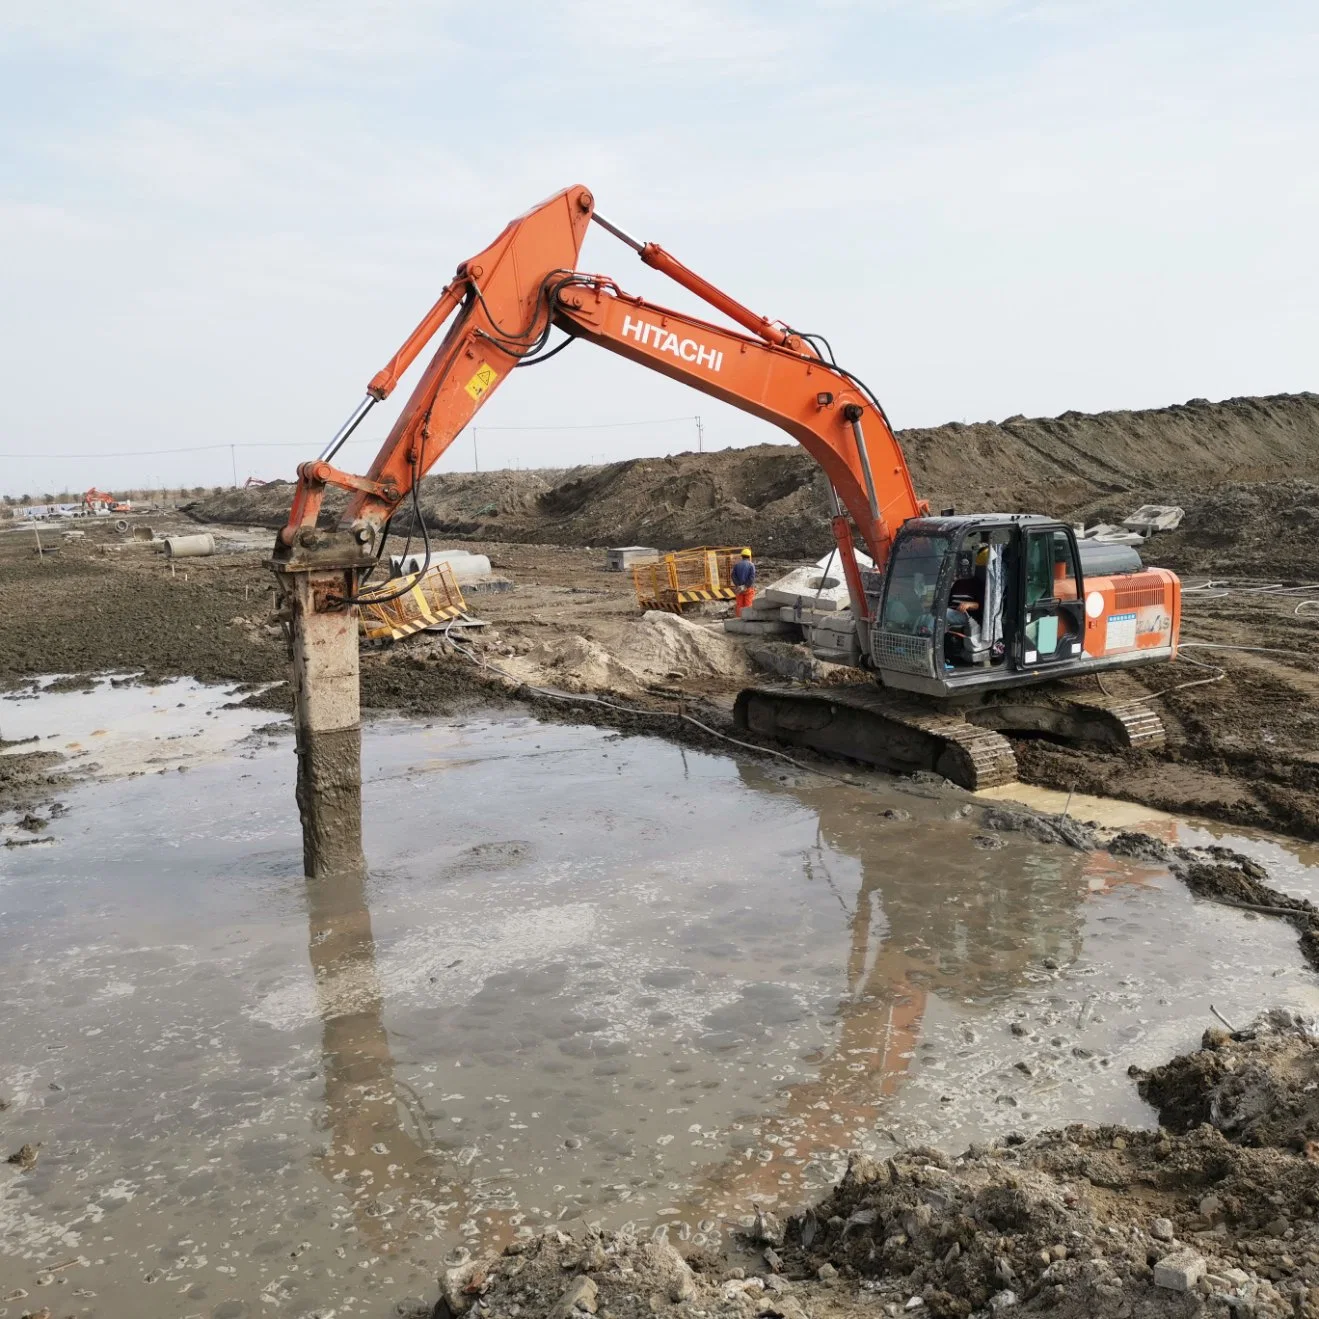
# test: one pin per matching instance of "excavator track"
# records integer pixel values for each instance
(1104, 723)
(863, 722)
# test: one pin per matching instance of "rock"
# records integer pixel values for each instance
(773, 1260)
(1211, 1206)
(462, 1284)
(1003, 1300)
(682, 1288)
(861, 1171)
(1277, 1227)
(580, 1296)
(1161, 1229)
(1017, 1028)
(25, 1156)
(766, 1230)
(1180, 1271)
(826, 1273)
(784, 1307)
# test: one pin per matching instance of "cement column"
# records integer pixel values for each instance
(326, 720)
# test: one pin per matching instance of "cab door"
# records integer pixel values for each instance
(1052, 597)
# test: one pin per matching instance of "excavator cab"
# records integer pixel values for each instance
(991, 600)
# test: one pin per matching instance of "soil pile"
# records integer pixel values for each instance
(1202, 1219)
(1257, 529)
(775, 497)
(1258, 1089)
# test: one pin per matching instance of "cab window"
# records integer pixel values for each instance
(913, 580)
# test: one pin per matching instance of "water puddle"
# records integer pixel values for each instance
(588, 977)
(111, 726)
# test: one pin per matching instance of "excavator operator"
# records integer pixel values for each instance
(744, 579)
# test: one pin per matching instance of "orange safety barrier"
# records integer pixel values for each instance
(431, 598)
(685, 577)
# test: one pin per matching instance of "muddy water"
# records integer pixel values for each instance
(588, 977)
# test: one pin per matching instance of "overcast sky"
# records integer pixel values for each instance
(218, 219)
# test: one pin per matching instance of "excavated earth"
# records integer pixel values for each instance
(1212, 1214)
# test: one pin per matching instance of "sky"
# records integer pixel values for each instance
(219, 219)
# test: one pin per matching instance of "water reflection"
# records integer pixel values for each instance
(922, 912)
(380, 1136)
(958, 925)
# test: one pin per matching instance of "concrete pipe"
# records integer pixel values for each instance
(189, 547)
(121, 526)
(143, 533)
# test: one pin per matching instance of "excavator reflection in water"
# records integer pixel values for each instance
(961, 929)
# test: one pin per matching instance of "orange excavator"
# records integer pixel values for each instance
(962, 619)
(96, 501)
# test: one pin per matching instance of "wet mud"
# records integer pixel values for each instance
(589, 978)
(1212, 1215)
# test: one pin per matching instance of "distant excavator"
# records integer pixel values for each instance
(97, 501)
(961, 619)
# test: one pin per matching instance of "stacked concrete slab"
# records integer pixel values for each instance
(797, 605)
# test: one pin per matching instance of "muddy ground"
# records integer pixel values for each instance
(1243, 748)
(1075, 1222)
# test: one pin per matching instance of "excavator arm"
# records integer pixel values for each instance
(503, 304)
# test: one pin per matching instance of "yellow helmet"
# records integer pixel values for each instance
(982, 556)
(746, 552)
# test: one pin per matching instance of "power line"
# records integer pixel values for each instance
(300, 444)
(592, 426)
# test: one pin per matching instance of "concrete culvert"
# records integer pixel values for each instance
(190, 547)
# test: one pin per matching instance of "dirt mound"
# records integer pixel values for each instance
(1258, 1087)
(665, 645)
(774, 496)
(1256, 529)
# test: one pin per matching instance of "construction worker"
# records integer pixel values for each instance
(744, 579)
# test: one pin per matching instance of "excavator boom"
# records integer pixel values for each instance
(504, 302)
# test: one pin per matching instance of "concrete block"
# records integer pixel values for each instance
(797, 614)
(487, 586)
(842, 624)
(622, 557)
(1180, 1271)
(753, 627)
(1149, 518)
(809, 585)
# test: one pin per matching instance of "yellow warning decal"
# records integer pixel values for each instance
(482, 381)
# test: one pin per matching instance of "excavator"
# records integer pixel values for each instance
(965, 621)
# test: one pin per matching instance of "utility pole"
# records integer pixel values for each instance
(476, 460)
(234, 462)
(700, 436)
